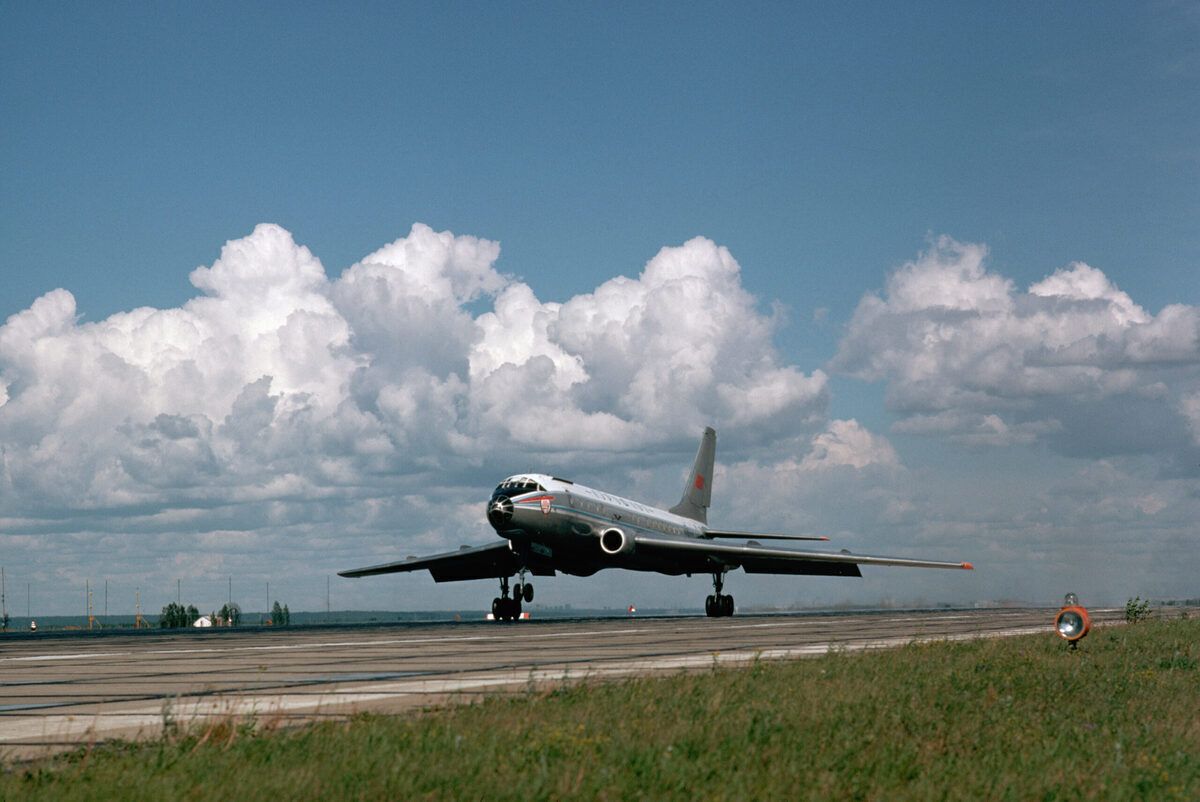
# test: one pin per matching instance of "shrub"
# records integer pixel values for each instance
(1137, 609)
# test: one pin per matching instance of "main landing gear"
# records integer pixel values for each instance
(509, 609)
(718, 605)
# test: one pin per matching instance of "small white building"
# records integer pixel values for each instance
(203, 621)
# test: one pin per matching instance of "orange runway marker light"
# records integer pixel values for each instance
(1072, 622)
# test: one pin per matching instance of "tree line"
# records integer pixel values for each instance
(175, 616)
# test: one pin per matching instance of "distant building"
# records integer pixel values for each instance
(203, 621)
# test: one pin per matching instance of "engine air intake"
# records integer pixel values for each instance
(614, 541)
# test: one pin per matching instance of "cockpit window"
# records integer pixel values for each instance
(516, 486)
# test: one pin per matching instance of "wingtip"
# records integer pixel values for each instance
(823, 537)
(968, 566)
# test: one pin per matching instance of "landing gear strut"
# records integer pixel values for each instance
(718, 605)
(509, 609)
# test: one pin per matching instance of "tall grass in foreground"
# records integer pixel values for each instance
(1019, 718)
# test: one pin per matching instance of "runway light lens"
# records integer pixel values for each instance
(1072, 622)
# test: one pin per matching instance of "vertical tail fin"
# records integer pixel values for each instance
(697, 493)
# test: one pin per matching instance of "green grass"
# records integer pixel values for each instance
(1019, 718)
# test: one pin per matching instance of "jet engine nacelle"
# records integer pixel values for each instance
(614, 541)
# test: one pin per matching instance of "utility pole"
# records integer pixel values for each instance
(178, 595)
(231, 590)
(267, 606)
(90, 618)
(137, 606)
(3, 602)
(106, 598)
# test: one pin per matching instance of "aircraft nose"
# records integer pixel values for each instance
(500, 511)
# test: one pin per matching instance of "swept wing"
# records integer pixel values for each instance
(469, 562)
(756, 558)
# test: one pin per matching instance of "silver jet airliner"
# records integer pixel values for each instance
(547, 524)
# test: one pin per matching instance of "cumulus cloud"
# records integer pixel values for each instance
(842, 476)
(289, 422)
(966, 354)
(279, 383)
(847, 443)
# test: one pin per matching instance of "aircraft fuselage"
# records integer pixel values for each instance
(578, 530)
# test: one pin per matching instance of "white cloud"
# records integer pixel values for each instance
(972, 428)
(286, 424)
(967, 355)
(843, 467)
(846, 442)
(277, 395)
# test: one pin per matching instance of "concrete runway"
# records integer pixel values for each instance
(59, 692)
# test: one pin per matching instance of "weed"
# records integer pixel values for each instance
(1137, 609)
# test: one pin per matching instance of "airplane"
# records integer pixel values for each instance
(547, 524)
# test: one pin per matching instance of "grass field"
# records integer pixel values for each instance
(1018, 718)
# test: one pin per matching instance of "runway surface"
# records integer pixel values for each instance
(59, 692)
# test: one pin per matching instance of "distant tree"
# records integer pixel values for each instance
(173, 616)
(4, 620)
(192, 614)
(231, 614)
(287, 616)
(277, 615)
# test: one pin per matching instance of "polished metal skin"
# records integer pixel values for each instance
(547, 524)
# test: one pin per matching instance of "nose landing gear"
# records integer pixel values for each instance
(505, 608)
(718, 605)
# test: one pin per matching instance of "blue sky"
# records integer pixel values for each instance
(824, 146)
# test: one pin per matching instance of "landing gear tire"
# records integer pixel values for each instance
(506, 608)
(718, 606)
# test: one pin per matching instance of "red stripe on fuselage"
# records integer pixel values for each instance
(534, 500)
